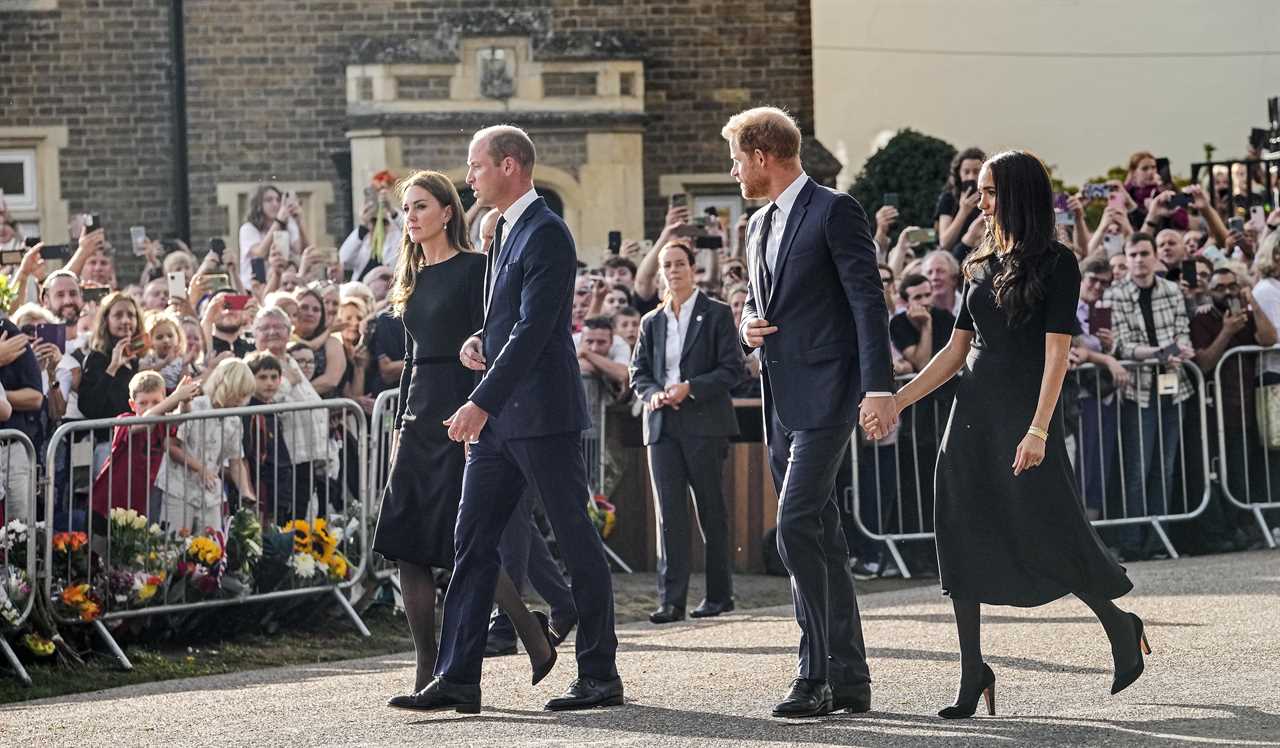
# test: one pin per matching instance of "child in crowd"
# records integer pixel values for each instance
(271, 467)
(305, 357)
(127, 476)
(189, 479)
(168, 346)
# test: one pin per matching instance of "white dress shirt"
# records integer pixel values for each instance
(785, 202)
(676, 329)
(513, 213)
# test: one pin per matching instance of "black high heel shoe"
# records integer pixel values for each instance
(965, 706)
(541, 671)
(1126, 679)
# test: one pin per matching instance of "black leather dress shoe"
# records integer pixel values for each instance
(588, 693)
(667, 614)
(441, 695)
(560, 629)
(708, 609)
(852, 699)
(808, 698)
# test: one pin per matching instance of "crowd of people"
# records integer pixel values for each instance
(1170, 275)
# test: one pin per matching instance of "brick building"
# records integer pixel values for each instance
(624, 98)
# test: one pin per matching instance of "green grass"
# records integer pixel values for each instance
(330, 636)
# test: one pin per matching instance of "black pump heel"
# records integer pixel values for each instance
(541, 671)
(1126, 679)
(966, 706)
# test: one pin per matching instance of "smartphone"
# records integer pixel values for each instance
(31, 241)
(922, 236)
(280, 243)
(370, 195)
(1099, 318)
(890, 200)
(968, 185)
(1173, 274)
(11, 256)
(708, 241)
(1235, 223)
(236, 301)
(52, 333)
(680, 200)
(1167, 352)
(1116, 200)
(138, 235)
(1180, 200)
(1234, 305)
(1095, 191)
(1258, 215)
(1162, 168)
(615, 242)
(1114, 244)
(258, 266)
(1257, 138)
(217, 281)
(1213, 254)
(94, 295)
(55, 256)
(1063, 218)
(1189, 273)
(217, 246)
(177, 284)
(92, 222)
(139, 343)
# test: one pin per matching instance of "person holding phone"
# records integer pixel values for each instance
(958, 203)
(270, 210)
(1150, 321)
(376, 240)
(1010, 526)
(111, 362)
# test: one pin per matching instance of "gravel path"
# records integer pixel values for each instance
(1213, 679)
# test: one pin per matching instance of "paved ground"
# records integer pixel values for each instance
(1214, 679)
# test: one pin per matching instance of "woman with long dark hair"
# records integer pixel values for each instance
(439, 292)
(958, 203)
(1011, 528)
(270, 210)
(312, 329)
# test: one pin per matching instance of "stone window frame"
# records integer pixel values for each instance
(50, 210)
(314, 197)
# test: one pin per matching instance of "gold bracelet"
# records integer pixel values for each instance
(1038, 432)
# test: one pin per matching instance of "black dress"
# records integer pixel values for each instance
(1002, 539)
(420, 504)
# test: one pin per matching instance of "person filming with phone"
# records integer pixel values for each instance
(270, 211)
(958, 203)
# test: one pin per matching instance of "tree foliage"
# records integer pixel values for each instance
(912, 165)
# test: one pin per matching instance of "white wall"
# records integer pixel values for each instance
(1083, 83)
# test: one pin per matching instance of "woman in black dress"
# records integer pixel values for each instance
(439, 292)
(1011, 528)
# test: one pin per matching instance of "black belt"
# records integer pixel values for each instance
(424, 360)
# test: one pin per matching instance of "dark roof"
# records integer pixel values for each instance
(441, 46)
(818, 162)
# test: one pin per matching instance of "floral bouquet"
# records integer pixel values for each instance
(134, 541)
(70, 555)
(13, 542)
(79, 601)
(602, 514)
(315, 558)
(201, 563)
(15, 590)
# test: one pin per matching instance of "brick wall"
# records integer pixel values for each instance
(266, 87)
(101, 70)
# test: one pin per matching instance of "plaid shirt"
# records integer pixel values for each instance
(1169, 311)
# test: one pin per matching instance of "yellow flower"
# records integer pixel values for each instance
(338, 566)
(206, 550)
(147, 592)
(75, 594)
(301, 534)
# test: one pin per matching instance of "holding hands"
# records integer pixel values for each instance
(878, 415)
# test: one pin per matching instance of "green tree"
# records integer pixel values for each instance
(912, 165)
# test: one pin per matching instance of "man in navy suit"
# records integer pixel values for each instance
(523, 423)
(816, 309)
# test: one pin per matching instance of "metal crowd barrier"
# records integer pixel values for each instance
(901, 486)
(126, 513)
(382, 424)
(17, 459)
(1249, 430)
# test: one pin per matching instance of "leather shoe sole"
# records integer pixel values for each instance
(821, 710)
(701, 612)
(552, 706)
(408, 704)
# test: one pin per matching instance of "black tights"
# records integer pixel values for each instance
(419, 590)
(1117, 624)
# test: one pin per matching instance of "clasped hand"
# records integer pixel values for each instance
(878, 416)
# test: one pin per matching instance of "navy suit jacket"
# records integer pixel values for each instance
(832, 343)
(710, 361)
(531, 385)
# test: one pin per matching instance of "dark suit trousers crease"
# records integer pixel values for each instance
(813, 548)
(527, 558)
(678, 463)
(496, 474)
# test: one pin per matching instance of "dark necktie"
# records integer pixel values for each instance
(492, 260)
(766, 275)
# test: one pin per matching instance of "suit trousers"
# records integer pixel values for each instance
(528, 561)
(676, 464)
(497, 473)
(812, 545)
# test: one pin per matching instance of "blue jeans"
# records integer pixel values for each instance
(1147, 434)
